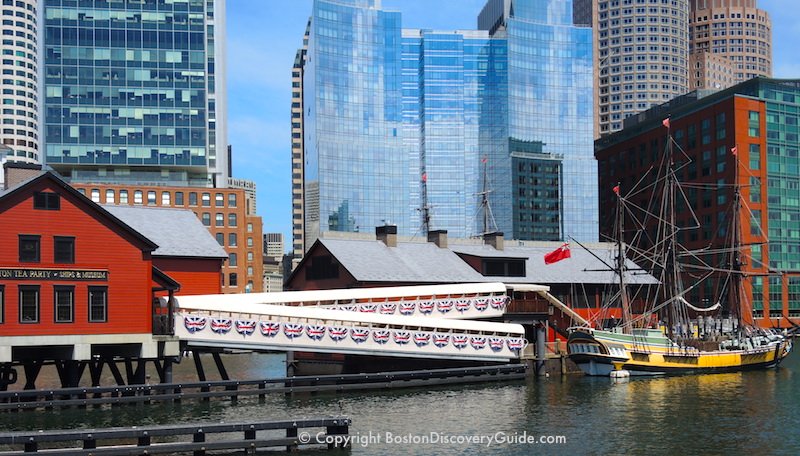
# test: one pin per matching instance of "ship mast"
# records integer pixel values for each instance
(627, 321)
(488, 216)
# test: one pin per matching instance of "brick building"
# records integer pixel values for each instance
(224, 211)
(760, 119)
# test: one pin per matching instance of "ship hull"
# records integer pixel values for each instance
(598, 353)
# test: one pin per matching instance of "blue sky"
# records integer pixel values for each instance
(262, 38)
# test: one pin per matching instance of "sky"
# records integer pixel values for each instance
(263, 37)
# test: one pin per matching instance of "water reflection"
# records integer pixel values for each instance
(751, 412)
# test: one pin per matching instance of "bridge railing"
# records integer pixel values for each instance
(325, 330)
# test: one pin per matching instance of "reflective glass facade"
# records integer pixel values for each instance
(399, 125)
(132, 91)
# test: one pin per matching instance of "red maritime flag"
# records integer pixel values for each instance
(424, 177)
(616, 189)
(558, 254)
(665, 122)
(734, 150)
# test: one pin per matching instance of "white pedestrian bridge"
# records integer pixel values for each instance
(417, 322)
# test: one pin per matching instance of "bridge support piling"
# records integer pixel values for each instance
(541, 355)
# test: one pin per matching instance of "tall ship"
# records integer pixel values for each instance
(661, 332)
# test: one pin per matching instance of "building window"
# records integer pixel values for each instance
(231, 199)
(249, 242)
(63, 304)
(110, 196)
(29, 304)
(165, 199)
(219, 219)
(206, 219)
(220, 238)
(322, 267)
(29, 248)
(47, 201)
(504, 268)
(233, 280)
(233, 241)
(123, 197)
(232, 260)
(249, 270)
(249, 256)
(179, 198)
(192, 199)
(206, 199)
(219, 200)
(64, 249)
(137, 197)
(2, 304)
(754, 123)
(98, 304)
(249, 227)
(151, 197)
(95, 195)
(231, 219)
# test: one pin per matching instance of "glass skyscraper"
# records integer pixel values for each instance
(134, 91)
(402, 126)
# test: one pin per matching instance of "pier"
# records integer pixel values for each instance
(198, 438)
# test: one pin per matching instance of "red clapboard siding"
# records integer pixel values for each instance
(99, 244)
(196, 276)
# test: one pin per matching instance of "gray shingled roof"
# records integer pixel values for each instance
(177, 232)
(581, 267)
(369, 260)
(373, 261)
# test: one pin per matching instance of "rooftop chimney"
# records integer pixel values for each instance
(494, 239)
(438, 237)
(387, 234)
(15, 172)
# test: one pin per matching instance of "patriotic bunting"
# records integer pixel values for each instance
(480, 304)
(359, 335)
(477, 342)
(221, 325)
(441, 340)
(462, 305)
(425, 307)
(292, 330)
(402, 337)
(380, 336)
(388, 308)
(496, 343)
(337, 333)
(407, 308)
(422, 339)
(270, 328)
(460, 341)
(245, 327)
(444, 306)
(315, 332)
(193, 323)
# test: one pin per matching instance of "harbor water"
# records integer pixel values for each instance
(741, 413)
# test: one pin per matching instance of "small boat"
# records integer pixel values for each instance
(665, 335)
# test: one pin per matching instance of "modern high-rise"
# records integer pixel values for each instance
(734, 30)
(641, 56)
(409, 126)
(20, 67)
(298, 200)
(134, 92)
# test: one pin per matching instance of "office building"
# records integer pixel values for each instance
(735, 30)
(409, 126)
(249, 188)
(134, 92)
(641, 56)
(760, 120)
(20, 68)
(298, 200)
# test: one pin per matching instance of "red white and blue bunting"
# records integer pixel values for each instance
(480, 304)
(425, 307)
(380, 336)
(337, 333)
(270, 328)
(388, 308)
(292, 330)
(462, 305)
(407, 308)
(245, 327)
(317, 332)
(194, 324)
(221, 325)
(444, 305)
(402, 337)
(359, 335)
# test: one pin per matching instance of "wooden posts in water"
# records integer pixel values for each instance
(183, 438)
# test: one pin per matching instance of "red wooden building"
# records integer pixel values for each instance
(77, 283)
